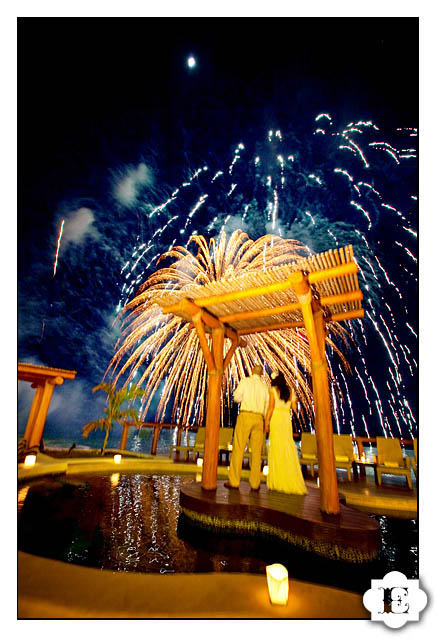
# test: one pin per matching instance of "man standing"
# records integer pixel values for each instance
(253, 395)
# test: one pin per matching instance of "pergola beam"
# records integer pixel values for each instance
(257, 291)
(349, 268)
(344, 297)
(292, 307)
(188, 308)
(345, 316)
(262, 312)
(272, 326)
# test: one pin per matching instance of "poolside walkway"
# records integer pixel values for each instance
(51, 589)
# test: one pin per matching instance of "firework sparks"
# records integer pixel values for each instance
(165, 350)
(293, 196)
(58, 245)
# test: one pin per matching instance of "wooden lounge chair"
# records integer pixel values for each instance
(344, 453)
(389, 460)
(308, 451)
(195, 449)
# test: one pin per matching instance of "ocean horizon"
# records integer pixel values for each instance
(136, 442)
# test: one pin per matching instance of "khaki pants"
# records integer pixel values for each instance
(248, 425)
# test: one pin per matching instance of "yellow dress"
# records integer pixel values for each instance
(285, 474)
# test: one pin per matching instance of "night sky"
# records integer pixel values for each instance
(111, 120)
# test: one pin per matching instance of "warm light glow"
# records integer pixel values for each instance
(277, 581)
(265, 470)
(318, 482)
(230, 447)
(117, 458)
(114, 479)
(198, 477)
(200, 462)
(30, 460)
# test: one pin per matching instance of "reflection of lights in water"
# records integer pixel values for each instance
(22, 493)
(136, 526)
(115, 479)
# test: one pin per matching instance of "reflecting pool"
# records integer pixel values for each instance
(133, 522)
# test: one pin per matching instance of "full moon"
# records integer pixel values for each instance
(191, 62)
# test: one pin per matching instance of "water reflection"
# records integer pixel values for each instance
(133, 522)
(22, 493)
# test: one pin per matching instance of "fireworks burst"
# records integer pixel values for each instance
(166, 353)
(326, 187)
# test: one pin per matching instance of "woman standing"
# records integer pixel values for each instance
(285, 474)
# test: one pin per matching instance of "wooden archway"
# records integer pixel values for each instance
(308, 293)
(43, 379)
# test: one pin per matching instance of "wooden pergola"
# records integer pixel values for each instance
(43, 379)
(308, 293)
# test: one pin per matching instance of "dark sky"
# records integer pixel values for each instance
(83, 82)
(96, 95)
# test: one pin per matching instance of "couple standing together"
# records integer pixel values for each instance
(262, 411)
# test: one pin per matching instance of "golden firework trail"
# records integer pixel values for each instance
(164, 349)
(58, 245)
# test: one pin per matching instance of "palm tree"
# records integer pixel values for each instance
(114, 411)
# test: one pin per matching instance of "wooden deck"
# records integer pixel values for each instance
(350, 536)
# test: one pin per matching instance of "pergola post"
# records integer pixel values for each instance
(324, 432)
(33, 411)
(215, 378)
(315, 327)
(43, 401)
(43, 379)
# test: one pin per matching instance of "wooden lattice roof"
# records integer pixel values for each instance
(267, 300)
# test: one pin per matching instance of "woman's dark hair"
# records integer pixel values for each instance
(280, 383)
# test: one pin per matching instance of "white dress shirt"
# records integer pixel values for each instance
(253, 395)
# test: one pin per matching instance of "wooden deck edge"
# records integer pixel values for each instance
(326, 549)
